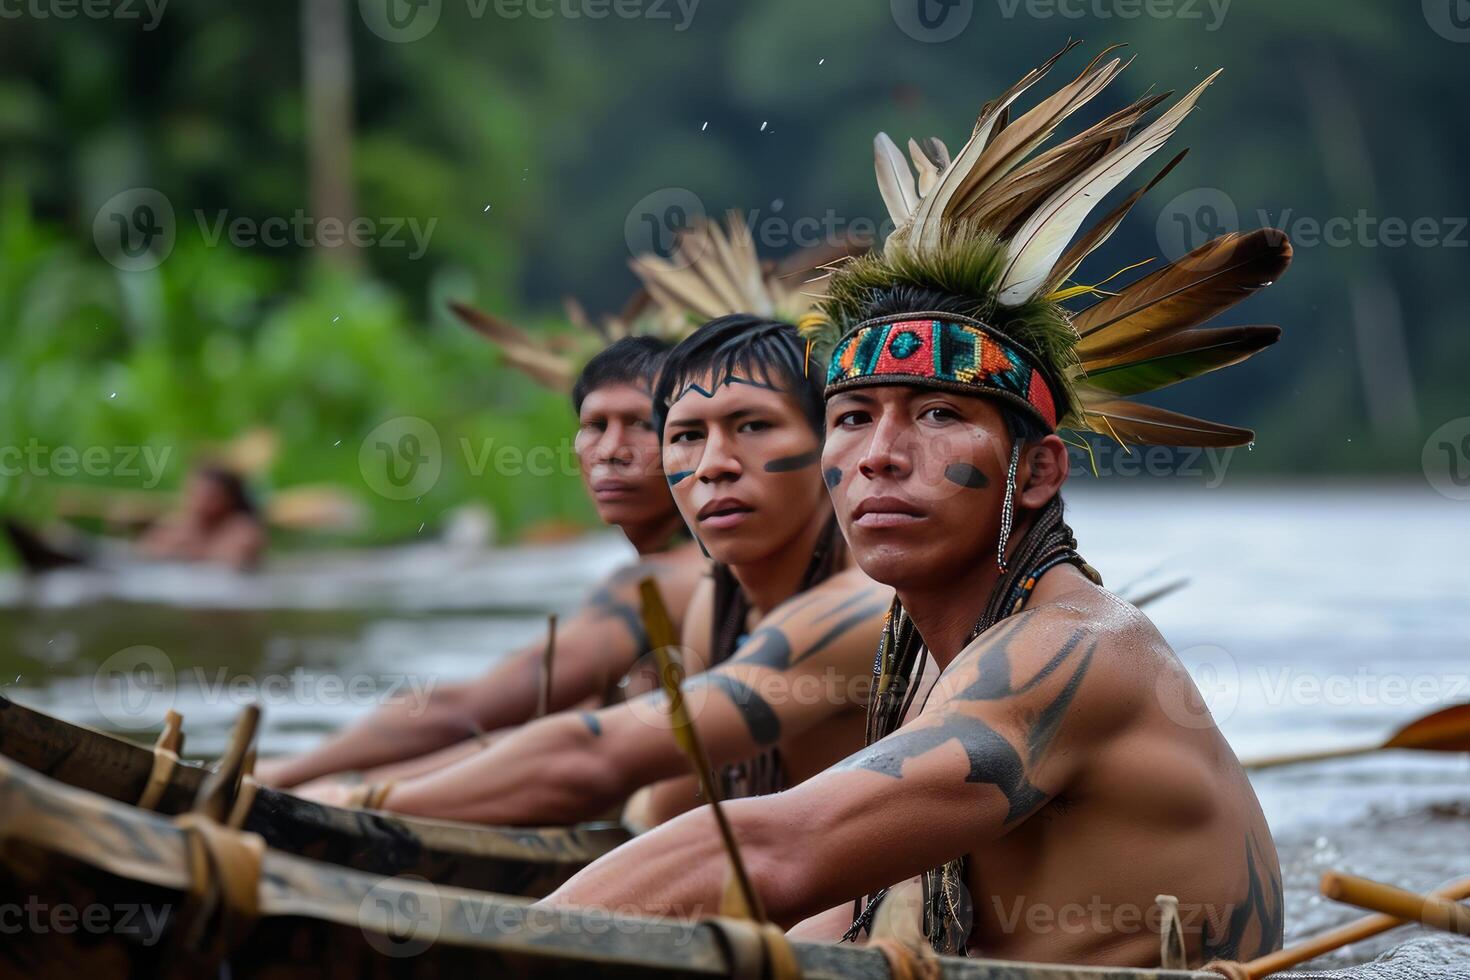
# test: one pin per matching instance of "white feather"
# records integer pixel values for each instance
(895, 180)
(1040, 242)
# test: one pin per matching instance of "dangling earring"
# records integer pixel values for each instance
(1008, 509)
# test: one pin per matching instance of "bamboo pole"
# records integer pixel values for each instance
(1320, 945)
(661, 638)
(1433, 911)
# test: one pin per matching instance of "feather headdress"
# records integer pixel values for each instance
(996, 227)
(710, 273)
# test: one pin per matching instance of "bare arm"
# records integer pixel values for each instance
(596, 646)
(982, 758)
(796, 670)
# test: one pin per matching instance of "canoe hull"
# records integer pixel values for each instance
(529, 862)
(64, 848)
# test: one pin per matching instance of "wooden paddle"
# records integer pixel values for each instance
(741, 898)
(1445, 730)
(1320, 945)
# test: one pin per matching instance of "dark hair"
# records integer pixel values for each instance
(233, 486)
(1020, 424)
(631, 360)
(745, 346)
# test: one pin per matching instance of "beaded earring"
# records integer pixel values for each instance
(1008, 509)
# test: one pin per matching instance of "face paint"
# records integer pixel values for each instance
(790, 464)
(679, 477)
(966, 475)
(832, 476)
(710, 392)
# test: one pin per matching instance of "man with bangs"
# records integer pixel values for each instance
(781, 635)
(618, 457)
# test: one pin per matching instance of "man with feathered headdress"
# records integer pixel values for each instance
(1057, 775)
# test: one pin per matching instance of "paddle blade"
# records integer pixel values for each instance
(1447, 730)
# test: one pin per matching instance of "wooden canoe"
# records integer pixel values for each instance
(108, 890)
(511, 861)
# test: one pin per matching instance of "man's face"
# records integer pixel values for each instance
(917, 479)
(617, 451)
(742, 459)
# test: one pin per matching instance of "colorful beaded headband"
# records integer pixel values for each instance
(940, 350)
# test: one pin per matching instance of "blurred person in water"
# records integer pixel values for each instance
(216, 521)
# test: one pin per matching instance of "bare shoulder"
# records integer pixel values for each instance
(1083, 652)
(836, 623)
(849, 591)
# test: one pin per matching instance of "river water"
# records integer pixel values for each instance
(1313, 616)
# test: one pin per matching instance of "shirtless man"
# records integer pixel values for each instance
(788, 625)
(1058, 753)
(618, 454)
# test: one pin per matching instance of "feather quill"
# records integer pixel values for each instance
(1037, 247)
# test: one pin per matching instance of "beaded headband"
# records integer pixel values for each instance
(940, 350)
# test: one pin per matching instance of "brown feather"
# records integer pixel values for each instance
(1186, 293)
(1177, 357)
(1135, 422)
